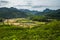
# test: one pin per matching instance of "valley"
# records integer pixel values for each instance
(24, 24)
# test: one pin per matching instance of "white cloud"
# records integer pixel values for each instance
(33, 4)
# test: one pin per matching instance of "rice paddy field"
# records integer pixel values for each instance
(22, 22)
(34, 31)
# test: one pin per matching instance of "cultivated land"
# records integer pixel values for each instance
(16, 24)
(49, 31)
(22, 22)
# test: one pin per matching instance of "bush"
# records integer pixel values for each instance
(50, 31)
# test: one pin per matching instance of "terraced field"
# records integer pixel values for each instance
(22, 22)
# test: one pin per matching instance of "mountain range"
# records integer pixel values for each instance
(23, 13)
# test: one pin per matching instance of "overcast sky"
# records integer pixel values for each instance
(31, 4)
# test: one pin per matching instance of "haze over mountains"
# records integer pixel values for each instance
(23, 13)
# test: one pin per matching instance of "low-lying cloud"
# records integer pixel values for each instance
(2, 3)
(31, 4)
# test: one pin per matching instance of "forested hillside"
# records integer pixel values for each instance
(12, 13)
(24, 13)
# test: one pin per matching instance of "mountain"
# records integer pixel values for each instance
(16, 13)
(29, 11)
(24, 13)
(11, 13)
(44, 12)
(54, 14)
(47, 10)
(48, 14)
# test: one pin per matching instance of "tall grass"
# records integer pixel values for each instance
(50, 31)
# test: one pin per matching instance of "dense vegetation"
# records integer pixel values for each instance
(46, 14)
(48, 31)
(11, 13)
(24, 13)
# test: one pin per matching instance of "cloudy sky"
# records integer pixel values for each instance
(31, 4)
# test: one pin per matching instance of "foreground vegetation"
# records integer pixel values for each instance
(50, 31)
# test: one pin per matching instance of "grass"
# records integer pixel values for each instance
(11, 32)
(50, 31)
(46, 32)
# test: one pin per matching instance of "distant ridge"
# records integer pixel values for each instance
(23, 13)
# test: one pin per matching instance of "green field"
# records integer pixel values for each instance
(50, 31)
